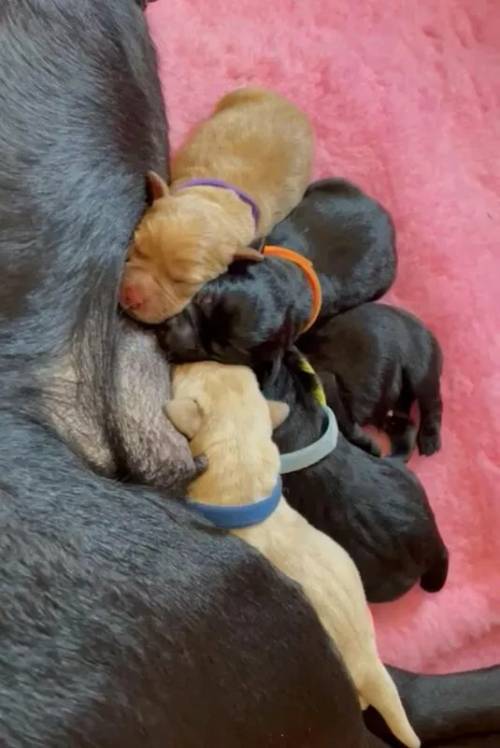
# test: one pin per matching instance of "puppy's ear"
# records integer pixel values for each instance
(279, 412)
(185, 414)
(248, 253)
(156, 187)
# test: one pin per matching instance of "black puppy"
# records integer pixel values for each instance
(376, 359)
(255, 311)
(375, 508)
(350, 239)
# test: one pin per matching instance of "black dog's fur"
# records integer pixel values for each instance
(350, 239)
(375, 508)
(124, 620)
(375, 359)
(254, 312)
(444, 709)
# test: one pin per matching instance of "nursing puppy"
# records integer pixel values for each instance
(375, 508)
(252, 313)
(376, 359)
(240, 172)
(255, 312)
(222, 411)
(348, 236)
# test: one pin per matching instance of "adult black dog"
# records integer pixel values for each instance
(375, 508)
(255, 311)
(124, 621)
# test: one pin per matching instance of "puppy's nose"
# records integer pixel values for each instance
(131, 297)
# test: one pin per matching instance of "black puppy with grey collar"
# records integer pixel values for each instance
(255, 311)
(377, 360)
(375, 508)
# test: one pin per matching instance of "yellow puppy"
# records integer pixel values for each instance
(225, 416)
(240, 172)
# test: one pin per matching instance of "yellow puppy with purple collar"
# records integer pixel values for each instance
(240, 172)
(225, 416)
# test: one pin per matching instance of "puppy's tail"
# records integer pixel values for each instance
(435, 577)
(380, 691)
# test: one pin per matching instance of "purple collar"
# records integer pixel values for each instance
(244, 196)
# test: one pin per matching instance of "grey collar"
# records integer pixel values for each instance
(313, 453)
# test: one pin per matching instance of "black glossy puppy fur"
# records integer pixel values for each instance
(125, 621)
(254, 312)
(375, 359)
(348, 236)
(375, 508)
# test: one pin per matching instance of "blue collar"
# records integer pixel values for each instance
(239, 515)
(313, 453)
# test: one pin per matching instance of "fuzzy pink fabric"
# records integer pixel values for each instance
(405, 100)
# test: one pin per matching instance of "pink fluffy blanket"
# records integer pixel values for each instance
(405, 100)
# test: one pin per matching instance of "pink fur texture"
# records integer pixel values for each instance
(405, 100)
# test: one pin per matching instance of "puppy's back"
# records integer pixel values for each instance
(350, 238)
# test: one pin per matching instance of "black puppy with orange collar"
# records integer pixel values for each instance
(255, 311)
(252, 313)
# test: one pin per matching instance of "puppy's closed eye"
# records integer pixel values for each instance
(186, 279)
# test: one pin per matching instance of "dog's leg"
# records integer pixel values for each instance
(332, 584)
(351, 430)
(431, 409)
(399, 426)
(424, 379)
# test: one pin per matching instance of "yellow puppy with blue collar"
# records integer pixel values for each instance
(225, 416)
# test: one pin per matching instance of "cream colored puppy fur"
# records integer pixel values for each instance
(223, 413)
(257, 141)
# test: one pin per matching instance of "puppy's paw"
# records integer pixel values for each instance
(428, 441)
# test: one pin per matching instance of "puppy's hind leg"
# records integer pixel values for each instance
(333, 586)
(398, 424)
(428, 394)
(380, 690)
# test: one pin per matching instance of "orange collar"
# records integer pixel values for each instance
(308, 269)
